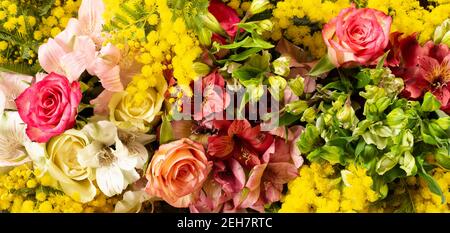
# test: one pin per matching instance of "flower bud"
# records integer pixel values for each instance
(258, 6)
(408, 139)
(204, 36)
(346, 115)
(265, 25)
(396, 118)
(281, 66)
(297, 85)
(296, 107)
(201, 68)
(442, 33)
(408, 164)
(255, 92)
(277, 86)
(309, 115)
(386, 163)
(212, 24)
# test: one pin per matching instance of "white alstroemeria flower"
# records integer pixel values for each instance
(13, 141)
(135, 143)
(131, 202)
(108, 158)
(11, 86)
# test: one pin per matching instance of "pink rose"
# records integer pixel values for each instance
(177, 172)
(49, 107)
(357, 36)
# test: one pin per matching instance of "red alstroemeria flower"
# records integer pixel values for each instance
(425, 69)
(241, 142)
(227, 17)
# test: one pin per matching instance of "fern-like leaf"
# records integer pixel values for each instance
(46, 6)
(20, 68)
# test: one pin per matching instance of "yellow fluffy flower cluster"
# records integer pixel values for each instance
(24, 190)
(168, 47)
(23, 32)
(289, 20)
(58, 18)
(426, 202)
(296, 19)
(319, 188)
(410, 17)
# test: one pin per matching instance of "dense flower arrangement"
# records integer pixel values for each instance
(224, 106)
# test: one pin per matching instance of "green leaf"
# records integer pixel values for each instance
(48, 4)
(363, 79)
(393, 174)
(443, 158)
(443, 122)
(20, 68)
(165, 134)
(332, 154)
(248, 75)
(436, 131)
(337, 85)
(261, 62)
(380, 186)
(244, 55)
(287, 119)
(323, 66)
(308, 139)
(236, 45)
(432, 184)
(244, 101)
(259, 43)
(426, 137)
(430, 103)
(380, 63)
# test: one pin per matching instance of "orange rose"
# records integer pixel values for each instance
(177, 172)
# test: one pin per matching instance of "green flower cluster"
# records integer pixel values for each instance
(366, 121)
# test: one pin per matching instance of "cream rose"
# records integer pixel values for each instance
(138, 110)
(63, 165)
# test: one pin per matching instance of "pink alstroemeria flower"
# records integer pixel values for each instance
(75, 49)
(215, 97)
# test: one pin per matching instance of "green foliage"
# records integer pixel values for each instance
(20, 68)
(366, 121)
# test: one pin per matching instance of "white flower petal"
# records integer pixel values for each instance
(124, 160)
(102, 131)
(12, 140)
(132, 202)
(87, 157)
(110, 180)
(139, 152)
(130, 177)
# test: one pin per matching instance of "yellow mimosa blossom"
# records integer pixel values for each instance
(319, 188)
(24, 190)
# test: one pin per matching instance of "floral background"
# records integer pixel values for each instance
(124, 106)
